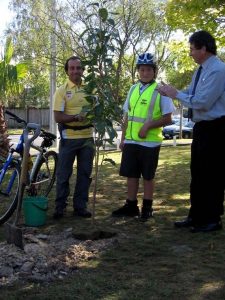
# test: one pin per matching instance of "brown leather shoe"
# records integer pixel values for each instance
(207, 228)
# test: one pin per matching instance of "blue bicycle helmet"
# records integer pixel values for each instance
(146, 59)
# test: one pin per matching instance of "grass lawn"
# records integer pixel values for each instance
(152, 260)
(14, 131)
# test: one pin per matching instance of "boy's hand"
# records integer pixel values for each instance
(143, 131)
(121, 145)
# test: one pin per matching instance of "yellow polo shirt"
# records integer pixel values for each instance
(70, 98)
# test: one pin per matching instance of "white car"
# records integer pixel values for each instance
(173, 130)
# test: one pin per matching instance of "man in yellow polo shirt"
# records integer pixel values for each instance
(76, 141)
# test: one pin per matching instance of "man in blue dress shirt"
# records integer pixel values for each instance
(205, 96)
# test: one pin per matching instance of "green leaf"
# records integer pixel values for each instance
(12, 73)
(8, 50)
(111, 132)
(103, 13)
(111, 22)
(21, 70)
(100, 127)
(90, 77)
(98, 110)
(89, 99)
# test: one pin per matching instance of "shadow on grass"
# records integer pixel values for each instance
(150, 260)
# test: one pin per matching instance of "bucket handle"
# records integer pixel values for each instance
(41, 208)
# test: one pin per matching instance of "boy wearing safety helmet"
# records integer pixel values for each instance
(146, 112)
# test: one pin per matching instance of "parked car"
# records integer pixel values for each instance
(173, 130)
(175, 119)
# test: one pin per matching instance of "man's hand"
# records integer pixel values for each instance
(167, 90)
(79, 117)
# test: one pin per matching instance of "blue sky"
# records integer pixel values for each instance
(5, 15)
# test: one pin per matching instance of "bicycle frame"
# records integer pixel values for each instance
(19, 149)
(39, 157)
(9, 160)
(18, 174)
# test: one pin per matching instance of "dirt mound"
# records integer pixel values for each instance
(51, 256)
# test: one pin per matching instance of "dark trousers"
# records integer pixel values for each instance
(69, 150)
(207, 171)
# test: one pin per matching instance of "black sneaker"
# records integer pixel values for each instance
(146, 210)
(129, 209)
(146, 213)
(82, 213)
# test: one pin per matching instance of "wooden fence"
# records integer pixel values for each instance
(33, 115)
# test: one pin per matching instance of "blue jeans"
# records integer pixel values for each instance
(69, 150)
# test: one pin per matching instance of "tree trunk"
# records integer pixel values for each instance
(4, 140)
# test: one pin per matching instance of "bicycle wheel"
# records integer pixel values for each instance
(44, 176)
(9, 189)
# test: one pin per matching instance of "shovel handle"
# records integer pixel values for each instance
(25, 160)
(37, 130)
(27, 143)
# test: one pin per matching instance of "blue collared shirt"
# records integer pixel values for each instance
(208, 102)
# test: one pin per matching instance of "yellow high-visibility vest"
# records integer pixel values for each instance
(143, 107)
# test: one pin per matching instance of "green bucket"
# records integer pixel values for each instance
(35, 210)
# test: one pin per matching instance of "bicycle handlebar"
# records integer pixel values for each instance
(16, 118)
(38, 131)
(29, 126)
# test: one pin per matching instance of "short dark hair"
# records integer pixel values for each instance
(67, 61)
(203, 38)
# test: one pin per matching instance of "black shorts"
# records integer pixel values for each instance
(138, 160)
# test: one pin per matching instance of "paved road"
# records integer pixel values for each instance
(173, 142)
(14, 138)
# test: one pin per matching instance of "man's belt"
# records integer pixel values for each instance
(65, 126)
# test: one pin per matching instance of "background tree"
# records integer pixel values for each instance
(140, 28)
(31, 30)
(143, 27)
(11, 75)
(10, 84)
(192, 15)
(179, 65)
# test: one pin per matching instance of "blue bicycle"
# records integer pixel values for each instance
(41, 168)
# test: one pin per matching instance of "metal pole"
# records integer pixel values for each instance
(52, 123)
(181, 121)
